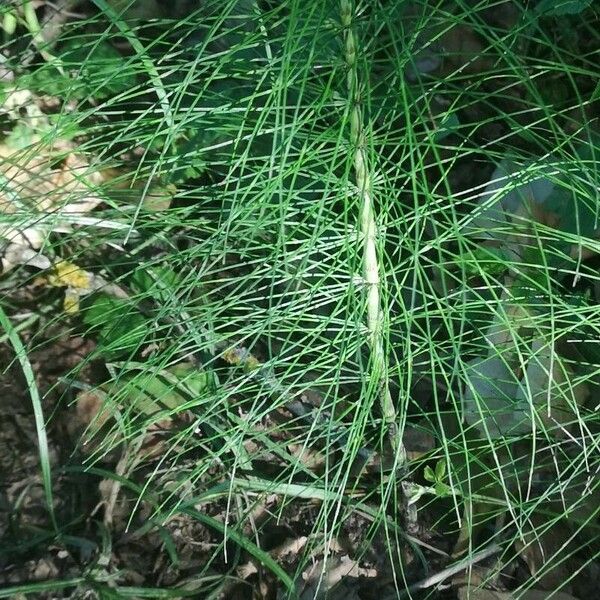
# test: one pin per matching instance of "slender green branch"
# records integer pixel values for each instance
(368, 226)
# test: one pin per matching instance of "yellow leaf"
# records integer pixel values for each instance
(159, 198)
(67, 274)
(71, 302)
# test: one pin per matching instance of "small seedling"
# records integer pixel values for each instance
(437, 477)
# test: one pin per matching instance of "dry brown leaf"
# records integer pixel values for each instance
(90, 414)
(542, 595)
(116, 510)
(473, 593)
(469, 593)
(463, 51)
(21, 103)
(158, 198)
(39, 183)
(17, 254)
(290, 546)
(320, 580)
(34, 187)
(479, 576)
(35, 190)
(310, 458)
(542, 549)
(417, 441)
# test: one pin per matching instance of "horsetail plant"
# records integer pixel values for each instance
(369, 236)
(336, 243)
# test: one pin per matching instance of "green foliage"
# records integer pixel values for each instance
(21, 136)
(484, 259)
(437, 477)
(245, 303)
(448, 125)
(150, 392)
(9, 20)
(559, 8)
(156, 281)
(89, 68)
(120, 328)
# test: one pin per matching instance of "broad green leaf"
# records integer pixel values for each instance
(102, 71)
(9, 21)
(21, 136)
(124, 336)
(48, 80)
(153, 390)
(490, 399)
(485, 259)
(521, 201)
(139, 9)
(428, 474)
(549, 387)
(155, 280)
(448, 125)
(105, 309)
(440, 470)
(122, 328)
(559, 8)
(442, 489)
(510, 188)
(91, 68)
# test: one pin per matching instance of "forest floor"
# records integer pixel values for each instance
(114, 537)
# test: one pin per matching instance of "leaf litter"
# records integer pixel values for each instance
(502, 394)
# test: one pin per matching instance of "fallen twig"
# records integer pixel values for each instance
(444, 574)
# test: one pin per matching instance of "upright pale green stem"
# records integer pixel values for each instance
(368, 226)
